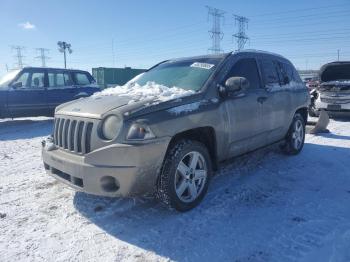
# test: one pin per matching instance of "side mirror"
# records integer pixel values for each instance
(16, 85)
(235, 84)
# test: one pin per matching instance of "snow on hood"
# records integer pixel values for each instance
(131, 94)
(149, 91)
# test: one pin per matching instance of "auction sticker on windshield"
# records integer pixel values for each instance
(202, 65)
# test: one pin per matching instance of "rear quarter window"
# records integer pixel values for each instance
(82, 79)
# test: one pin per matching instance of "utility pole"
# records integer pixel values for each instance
(241, 35)
(216, 34)
(19, 56)
(42, 56)
(7, 67)
(338, 54)
(62, 47)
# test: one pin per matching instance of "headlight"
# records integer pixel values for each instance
(140, 132)
(111, 127)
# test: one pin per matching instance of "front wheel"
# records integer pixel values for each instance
(295, 137)
(185, 175)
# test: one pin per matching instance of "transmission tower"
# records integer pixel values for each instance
(19, 56)
(42, 55)
(216, 34)
(241, 35)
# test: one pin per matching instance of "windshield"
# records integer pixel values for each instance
(188, 74)
(6, 79)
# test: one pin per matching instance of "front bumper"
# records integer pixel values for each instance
(132, 168)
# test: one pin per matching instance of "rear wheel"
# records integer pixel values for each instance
(296, 136)
(185, 175)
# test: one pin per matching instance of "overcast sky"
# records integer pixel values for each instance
(309, 33)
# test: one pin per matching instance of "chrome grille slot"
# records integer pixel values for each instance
(73, 135)
(80, 135)
(88, 137)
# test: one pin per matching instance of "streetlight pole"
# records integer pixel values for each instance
(63, 46)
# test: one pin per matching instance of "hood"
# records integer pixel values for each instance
(335, 72)
(128, 98)
(94, 107)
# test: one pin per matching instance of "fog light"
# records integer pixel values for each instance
(109, 184)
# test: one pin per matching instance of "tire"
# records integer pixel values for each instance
(294, 141)
(180, 173)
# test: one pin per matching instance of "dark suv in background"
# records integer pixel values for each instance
(37, 91)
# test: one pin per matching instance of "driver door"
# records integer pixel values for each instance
(26, 96)
(244, 109)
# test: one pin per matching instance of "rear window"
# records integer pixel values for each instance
(82, 79)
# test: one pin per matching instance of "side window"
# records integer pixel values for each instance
(22, 80)
(37, 80)
(296, 76)
(59, 79)
(246, 67)
(82, 79)
(67, 79)
(270, 73)
(291, 72)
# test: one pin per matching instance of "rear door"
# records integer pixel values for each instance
(244, 109)
(29, 97)
(61, 88)
(277, 104)
(85, 83)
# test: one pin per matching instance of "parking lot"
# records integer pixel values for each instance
(260, 207)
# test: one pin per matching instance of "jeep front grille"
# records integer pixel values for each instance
(73, 135)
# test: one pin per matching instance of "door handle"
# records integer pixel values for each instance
(262, 99)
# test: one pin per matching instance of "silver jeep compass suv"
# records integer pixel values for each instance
(168, 129)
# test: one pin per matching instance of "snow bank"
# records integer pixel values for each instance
(150, 90)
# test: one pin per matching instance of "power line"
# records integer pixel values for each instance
(215, 33)
(19, 55)
(42, 55)
(241, 36)
(301, 10)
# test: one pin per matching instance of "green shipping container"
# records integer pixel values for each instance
(107, 77)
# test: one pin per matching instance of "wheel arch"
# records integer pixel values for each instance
(205, 135)
(303, 111)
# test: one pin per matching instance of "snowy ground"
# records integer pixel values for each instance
(261, 207)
